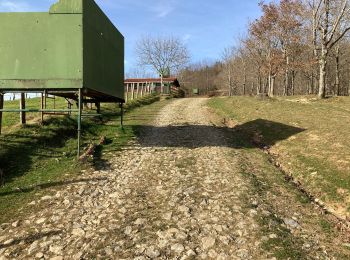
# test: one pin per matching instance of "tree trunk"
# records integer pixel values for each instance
(258, 86)
(312, 90)
(286, 77)
(266, 85)
(324, 52)
(323, 73)
(229, 83)
(293, 83)
(245, 79)
(337, 72)
(271, 84)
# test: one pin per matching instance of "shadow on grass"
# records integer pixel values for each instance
(34, 145)
(99, 163)
(249, 135)
(18, 150)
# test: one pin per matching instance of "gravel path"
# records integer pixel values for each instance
(176, 193)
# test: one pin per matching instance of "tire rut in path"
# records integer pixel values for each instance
(176, 193)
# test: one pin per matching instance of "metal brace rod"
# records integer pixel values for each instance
(80, 103)
(39, 91)
(1, 106)
(122, 115)
(29, 110)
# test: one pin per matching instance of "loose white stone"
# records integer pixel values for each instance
(40, 221)
(128, 230)
(79, 232)
(57, 250)
(46, 198)
(167, 216)
(272, 236)
(152, 252)
(208, 242)
(140, 221)
(16, 224)
(114, 195)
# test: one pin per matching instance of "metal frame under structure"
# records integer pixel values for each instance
(76, 95)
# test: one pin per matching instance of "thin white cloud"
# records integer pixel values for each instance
(163, 8)
(186, 37)
(158, 8)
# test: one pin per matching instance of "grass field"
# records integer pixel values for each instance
(35, 158)
(13, 119)
(309, 137)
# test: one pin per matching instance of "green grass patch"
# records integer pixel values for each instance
(186, 163)
(285, 245)
(310, 137)
(278, 240)
(36, 158)
(326, 226)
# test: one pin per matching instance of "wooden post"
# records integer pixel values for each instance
(133, 91)
(127, 91)
(137, 90)
(1, 107)
(143, 86)
(23, 106)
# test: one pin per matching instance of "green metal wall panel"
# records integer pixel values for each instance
(40, 46)
(103, 53)
(73, 46)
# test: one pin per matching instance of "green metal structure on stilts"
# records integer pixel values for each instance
(73, 51)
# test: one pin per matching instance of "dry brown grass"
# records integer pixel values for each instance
(319, 156)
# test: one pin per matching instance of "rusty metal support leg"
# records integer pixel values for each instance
(98, 107)
(69, 106)
(80, 103)
(1, 107)
(45, 99)
(23, 106)
(42, 107)
(122, 115)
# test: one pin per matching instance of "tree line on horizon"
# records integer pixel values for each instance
(296, 47)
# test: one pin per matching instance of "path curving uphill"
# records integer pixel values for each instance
(176, 193)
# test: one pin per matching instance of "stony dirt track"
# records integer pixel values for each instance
(174, 194)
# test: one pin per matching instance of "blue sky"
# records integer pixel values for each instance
(206, 26)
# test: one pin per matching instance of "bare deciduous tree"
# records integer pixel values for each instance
(165, 55)
(329, 27)
(228, 57)
(296, 47)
